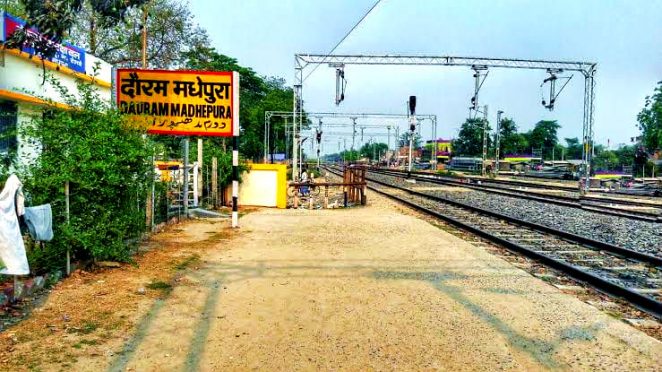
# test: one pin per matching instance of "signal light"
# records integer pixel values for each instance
(412, 105)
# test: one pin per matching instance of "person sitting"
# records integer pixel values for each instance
(304, 179)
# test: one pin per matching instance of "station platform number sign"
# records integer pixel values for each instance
(171, 102)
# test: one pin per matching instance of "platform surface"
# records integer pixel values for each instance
(371, 288)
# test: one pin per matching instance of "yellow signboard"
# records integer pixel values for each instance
(192, 103)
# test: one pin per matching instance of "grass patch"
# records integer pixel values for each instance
(188, 261)
(87, 328)
(80, 343)
(217, 237)
(615, 314)
(160, 286)
(115, 324)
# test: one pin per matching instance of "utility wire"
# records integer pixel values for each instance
(343, 39)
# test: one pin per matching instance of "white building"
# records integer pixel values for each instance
(22, 94)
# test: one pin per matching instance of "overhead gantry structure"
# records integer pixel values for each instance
(268, 115)
(587, 69)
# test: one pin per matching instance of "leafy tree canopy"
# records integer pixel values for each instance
(469, 141)
(650, 120)
(511, 142)
(55, 18)
(372, 150)
(171, 32)
(573, 149)
(258, 94)
(403, 141)
(544, 135)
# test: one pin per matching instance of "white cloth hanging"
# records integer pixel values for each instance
(12, 249)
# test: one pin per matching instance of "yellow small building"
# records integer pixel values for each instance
(444, 149)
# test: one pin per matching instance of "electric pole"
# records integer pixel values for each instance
(388, 144)
(485, 134)
(397, 144)
(353, 133)
(372, 143)
(498, 141)
(412, 129)
(319, 143)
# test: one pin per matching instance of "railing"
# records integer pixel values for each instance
(352, 191)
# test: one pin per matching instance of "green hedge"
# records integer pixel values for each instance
(107, 163)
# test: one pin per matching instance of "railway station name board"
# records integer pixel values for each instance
(194, 103)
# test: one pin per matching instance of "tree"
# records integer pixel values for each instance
(112, 29)
(55, 18)
(14, 7)
(573, 148)
(604, 159)
(349, 155)
(640, 159)
(650, 120)
(625, 155)
(403, 141)
(511, 142)
(171, 32)
(258, 94)
(278, 97)
(372, 150)
(469, 141)
(544, 135)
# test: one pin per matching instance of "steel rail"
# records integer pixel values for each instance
(639, 300)
(596, 244)
(536, 185)
(561, 200)
(552, 187)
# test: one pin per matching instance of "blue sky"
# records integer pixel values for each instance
(623, 36)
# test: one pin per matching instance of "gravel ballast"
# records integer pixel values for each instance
(637, 235)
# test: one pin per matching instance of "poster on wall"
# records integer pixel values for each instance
(193, 103)
(66, 54)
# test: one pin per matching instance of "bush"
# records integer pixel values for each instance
(107, 163)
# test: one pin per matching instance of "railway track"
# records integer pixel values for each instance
(594, 204)
(621, 272)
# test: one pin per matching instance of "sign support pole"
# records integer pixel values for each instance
(214, 182)
(200, 171)
(235, 150)
(66, 207)
(185, 196)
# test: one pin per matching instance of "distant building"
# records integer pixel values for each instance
(522, 158)
(443, 149)
(22, 94)
(403, 154)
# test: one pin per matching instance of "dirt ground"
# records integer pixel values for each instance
(353, 289)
